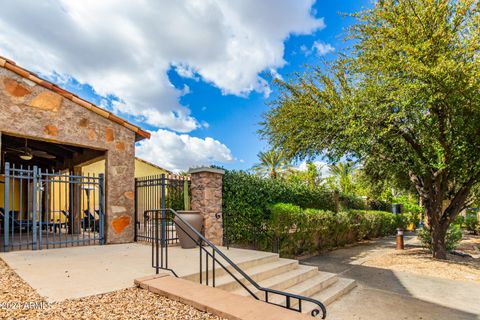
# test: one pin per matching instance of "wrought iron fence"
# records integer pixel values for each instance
(46, 209)
(154, 193)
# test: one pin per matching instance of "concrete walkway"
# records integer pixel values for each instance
(66, 273)
(386, 294)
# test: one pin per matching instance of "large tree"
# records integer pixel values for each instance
(404, 100)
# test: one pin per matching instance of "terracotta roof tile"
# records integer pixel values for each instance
(17, 70)
(11, 65)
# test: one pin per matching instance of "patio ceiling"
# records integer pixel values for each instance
(51, 155)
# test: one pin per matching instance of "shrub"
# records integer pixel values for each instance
(472, 224)
(348, 201)
(414, 219)
(284, 217)
(247, 197)
(248, 200)
(306, 231)
(459, 220)
(452, 239)
(379, 205)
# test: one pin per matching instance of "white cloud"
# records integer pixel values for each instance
(322, 48)
(305, 49)
(275, 74)
(186, 71)
(318, 47)
(322, 166)
(178, 152)
(125, 48)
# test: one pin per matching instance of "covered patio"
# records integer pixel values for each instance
(51, 201)
(47, 136)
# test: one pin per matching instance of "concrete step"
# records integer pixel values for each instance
(331, 294)
(283, 280)
(257, 260)
(257, 273)
(308, 287)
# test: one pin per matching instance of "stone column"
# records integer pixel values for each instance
(119, 197)
(206, 189)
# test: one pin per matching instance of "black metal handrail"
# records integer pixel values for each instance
(161, 250)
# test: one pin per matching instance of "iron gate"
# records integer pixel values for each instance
(155, 193)
(46, 209)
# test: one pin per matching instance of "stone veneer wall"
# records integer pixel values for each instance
(206, 190)
(30, 110)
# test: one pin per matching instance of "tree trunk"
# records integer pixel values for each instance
(439, 232)
(438, 226)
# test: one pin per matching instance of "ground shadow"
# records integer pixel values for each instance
(401, 294)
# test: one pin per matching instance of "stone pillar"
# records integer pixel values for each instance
(206, 189)
(119, 195)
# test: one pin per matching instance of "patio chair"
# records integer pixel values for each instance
(2, 218)
(67, 222)
(18, 224)
(90, 222)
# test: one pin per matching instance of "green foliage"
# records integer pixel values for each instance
(243, 192)
(472, 224)
(246, 199)
(283, 217)
(272, 164)
(410, 203)
(460, 220)
(186, 195)
(452, 239)
(342, 173)
(414, 219)
(176, 198)
(404, 99)
(379, 205)
(311, 231)
(310, 177)
(402, 220)
(348, 201)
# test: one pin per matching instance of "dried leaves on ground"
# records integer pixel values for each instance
(418, 260)
(19, 301)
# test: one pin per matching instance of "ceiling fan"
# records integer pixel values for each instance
(27, 153)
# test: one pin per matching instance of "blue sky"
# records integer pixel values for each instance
(199, 82)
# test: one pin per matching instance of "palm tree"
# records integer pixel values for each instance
(272, 163)
(343, 171)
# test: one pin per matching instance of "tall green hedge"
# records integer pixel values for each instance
(308, 231)
(251, 195)
(247, 198)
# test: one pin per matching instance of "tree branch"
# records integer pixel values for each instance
(458, 201)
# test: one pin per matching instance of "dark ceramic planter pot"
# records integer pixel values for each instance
(195, 219)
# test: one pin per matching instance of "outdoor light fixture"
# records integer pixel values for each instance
(26, 156)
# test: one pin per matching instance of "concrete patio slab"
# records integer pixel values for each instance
(66, 273)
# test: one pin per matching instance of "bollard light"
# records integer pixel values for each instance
(400, 244)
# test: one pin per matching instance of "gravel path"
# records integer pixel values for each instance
(420, 261)
(19, 301)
